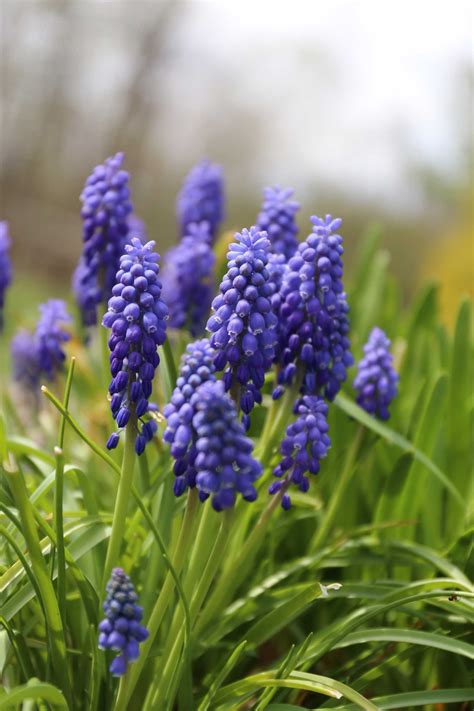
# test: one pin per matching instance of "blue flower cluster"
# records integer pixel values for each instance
(277, 219)
(106, 208)
(42, 353)
(243, 325)
(314, 324)
(137, 316)
(121, 629)
(197, 367)
(376, 380)
(305, 444)
(201, 198)
(188, 279)
(5, 266)
(224, 462)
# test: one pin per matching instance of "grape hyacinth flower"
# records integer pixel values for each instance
(376, 380)
(305, 444)
(314, 322)
(42, 353)
(277, 219)
(5, 266)
(24, 353)
(137, 316)
(121, 629)
(105, 213)
(197, 367)
(50, 336)
(243, 325)
(201, 198)
(224, 462)
(187, 279)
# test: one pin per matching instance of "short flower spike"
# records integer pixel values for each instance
(376, 380)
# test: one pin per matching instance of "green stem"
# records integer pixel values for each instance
(162, 695)
(275, 422)
(40, 570)
(122, 500)
(339, 491)
(227, 584)
(59, 528)
(164, 599)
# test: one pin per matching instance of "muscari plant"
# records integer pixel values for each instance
(192, 559)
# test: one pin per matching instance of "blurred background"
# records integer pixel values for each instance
(365, 108)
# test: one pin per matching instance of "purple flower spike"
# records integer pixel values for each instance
(314, 323)
(224, 462)
(201, 198)
(188, 279)
(305, 444)
(121, 629)
(197, 367)
(243, 324)
(277, 218)
(376, 380)
(106, 210)
(137, 317)
(5, 266)
(41, 354)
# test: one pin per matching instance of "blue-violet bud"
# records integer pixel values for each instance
(5, 266)
(306, 442)
(201, 198)
(376, 380)
(50, 337)
(25, 360)
(197, 367)
(137, 316)
(121, 629)
(277, 218)
(188, 279)
(314, 324)
(243, 324)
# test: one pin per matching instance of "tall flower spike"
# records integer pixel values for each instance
(188, 279)
(5, 266)
(277, 218)
(314, 323)
(376, 380)
(197, 367)
(201, 198)
(137, 316)
(25, 360)
(243, 323)
(224, 462)
(121, 629)
(106, 208)
(50, 336)
(305, 444)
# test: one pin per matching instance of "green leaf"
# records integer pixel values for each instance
(353, 410)
(406, 636)
(220, 677)
(416, 698)
(33, 690)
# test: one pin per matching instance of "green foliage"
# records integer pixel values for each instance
(358, 597)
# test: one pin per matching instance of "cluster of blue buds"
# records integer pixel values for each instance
(201, 198)
(5, 266)
(277, 219)
(305, 444)
(106, 209)
(314, 324)
(376, 380)
(188, 279)
(121, 629)
(137, 316)
(42, 353)
(243, 325)
(197, 367)
(224, 462)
